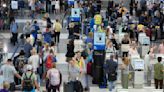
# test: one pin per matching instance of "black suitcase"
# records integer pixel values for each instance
(78, 86)
(69, 86)
(97, 75)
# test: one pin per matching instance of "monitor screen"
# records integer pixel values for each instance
(139, 64)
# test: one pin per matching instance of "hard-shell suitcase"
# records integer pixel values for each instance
(89, 68)
(69, 86)
(78, 86)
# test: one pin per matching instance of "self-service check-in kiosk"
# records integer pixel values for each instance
(138, 67)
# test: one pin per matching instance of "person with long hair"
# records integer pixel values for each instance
(161, 48)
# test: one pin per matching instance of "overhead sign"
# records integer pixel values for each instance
(75, 14)
(71, 2)
(98, 19)
(14, 5)
(99, 41)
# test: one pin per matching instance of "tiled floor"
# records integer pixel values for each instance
(62, 65)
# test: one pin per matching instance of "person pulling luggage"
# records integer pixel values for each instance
(77, 69)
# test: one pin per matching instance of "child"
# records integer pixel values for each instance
(6, 86)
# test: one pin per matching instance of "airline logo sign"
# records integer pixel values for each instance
(98, 19)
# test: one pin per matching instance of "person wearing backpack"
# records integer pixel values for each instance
(50, 59)
(110, 67)
(29, 80)
(55, 79)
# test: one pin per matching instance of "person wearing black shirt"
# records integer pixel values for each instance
(111, 70)
(70, 50)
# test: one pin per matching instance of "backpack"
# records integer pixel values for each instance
(49, 60)
(21, 61)
(54, 78)
(28, 84)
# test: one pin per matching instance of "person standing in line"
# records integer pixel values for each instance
(125, 72)
(57, 6)
(70, 50)
(57, 28)
(149, 60)
(71, 30)
(14, 31)
(77, 69)
(161, 48)
(111, 71)
(53, 6)
(8, 71)
(158, 73)
(147, 68)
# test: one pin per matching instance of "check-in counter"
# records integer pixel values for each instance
(138, 68)
(144, 44)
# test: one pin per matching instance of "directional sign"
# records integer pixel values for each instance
(75, 14)
(14, 5)
(99, 41)
(71, 2)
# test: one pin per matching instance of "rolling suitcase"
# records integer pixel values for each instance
(89, 68)
(68, 86)
(78, 86)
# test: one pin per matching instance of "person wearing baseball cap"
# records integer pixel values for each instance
(29, 80)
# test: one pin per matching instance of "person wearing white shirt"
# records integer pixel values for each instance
(109, 32)
(34, 60)
(133, 51)
(57, 6)
(147, 68)
(8, 71)
(46, 51)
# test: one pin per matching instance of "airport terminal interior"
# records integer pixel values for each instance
(82, 45)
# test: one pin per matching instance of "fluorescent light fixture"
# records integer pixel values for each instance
(4, 5)
(5, 49)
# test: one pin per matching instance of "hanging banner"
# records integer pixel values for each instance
(99, 41)
(98, 19)
(75, 14)
(14, 5)
(71, 2)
